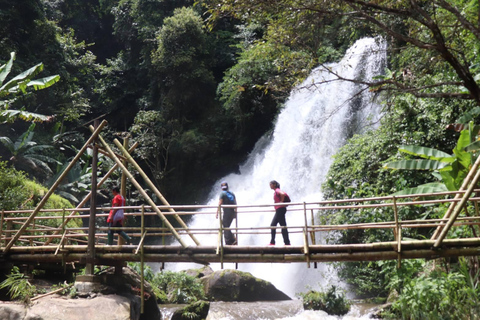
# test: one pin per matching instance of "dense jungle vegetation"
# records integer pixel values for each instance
(197, 83)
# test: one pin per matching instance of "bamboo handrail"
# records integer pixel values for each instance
(223, 254)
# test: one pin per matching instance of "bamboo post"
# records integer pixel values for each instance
(140, 189)
(154, 188)
(236, 233)
(395, 212)
(8, 231)
(312, 234)
(399, 249)
(452, 206)
(90, 265)
(305, 235)
(220, 237)
(123, 190)
(142, 261)
(458, 208)
(1, 225)
(55, 185)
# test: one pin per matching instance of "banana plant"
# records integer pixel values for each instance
(27, 154)
(448, 169)
(9, 90)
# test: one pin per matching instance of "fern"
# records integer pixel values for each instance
(19, 286)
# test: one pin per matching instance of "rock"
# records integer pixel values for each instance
(199, 308)
(234, 285)
(199, 273)
(101, 297)
(111, 307)
(12, 311)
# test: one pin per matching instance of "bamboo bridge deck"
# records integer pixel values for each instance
(58, 237)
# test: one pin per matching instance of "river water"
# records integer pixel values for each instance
(271, 310)
(318, 118)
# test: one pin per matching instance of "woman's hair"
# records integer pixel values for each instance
(116, 189)
(275, 183)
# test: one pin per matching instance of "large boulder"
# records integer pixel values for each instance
(12, 311)
(234, 285)
(109, 307)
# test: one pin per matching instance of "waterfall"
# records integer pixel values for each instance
(318, 118)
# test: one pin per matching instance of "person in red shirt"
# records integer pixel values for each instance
(116, 216)
(280, 211)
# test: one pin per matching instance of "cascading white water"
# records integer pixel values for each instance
(320, 115)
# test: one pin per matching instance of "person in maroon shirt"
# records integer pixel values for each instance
(116, 216)
(280, 211)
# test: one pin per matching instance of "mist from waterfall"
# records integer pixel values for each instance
(318, 118)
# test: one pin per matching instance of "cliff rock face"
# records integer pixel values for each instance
(234, 285)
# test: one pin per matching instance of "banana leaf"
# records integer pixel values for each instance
(415, 164)
(427, 153)
(423, 189)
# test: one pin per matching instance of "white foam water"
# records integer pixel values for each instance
(318, 118)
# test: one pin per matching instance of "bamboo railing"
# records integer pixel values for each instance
(56, 237)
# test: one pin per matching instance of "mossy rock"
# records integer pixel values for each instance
(194, 311)
(234, 285)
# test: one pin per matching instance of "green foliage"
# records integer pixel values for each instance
(439, 295)
(332, 301)
(28, 155)
(18, 286)
(197, 310)
(68, 289)
(19, 85)
(183, 58)
(177, 287)
(172, 287)
(12, 186)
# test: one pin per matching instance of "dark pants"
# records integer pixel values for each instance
(279, 218)
(117, 224)
(228, 216)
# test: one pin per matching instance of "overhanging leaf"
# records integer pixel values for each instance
(415, 164)
(427, 153)
(423, 189)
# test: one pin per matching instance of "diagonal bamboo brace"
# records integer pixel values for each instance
(140, 189)
(154, 188)
(458, 209)
(95, 133)
(87, 197)
(464, 186)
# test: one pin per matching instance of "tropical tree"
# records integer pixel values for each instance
(27, 155)
(21, 84)
(449, 169)
(427, 36)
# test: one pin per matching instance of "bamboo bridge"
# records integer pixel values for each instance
(60, 238)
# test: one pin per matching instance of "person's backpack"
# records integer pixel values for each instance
(287, 198)
(230, 197)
